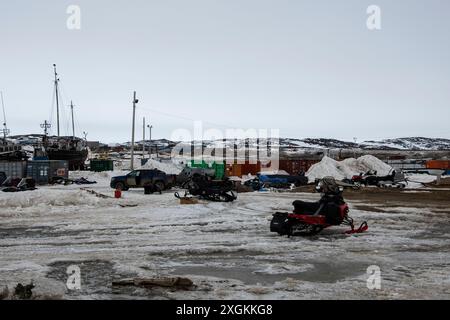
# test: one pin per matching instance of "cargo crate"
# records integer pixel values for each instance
(438, 164)
(44, 171)
(219, 167)
(14, 169)
(102, 165)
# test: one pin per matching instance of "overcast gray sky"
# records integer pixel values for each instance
(308, 68)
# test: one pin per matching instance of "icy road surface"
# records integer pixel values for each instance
(225, 248)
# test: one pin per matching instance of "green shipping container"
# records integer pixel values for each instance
(102, 165)
(218, 167)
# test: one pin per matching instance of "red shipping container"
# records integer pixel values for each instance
(438, 164)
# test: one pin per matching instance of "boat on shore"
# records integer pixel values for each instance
(69, 148)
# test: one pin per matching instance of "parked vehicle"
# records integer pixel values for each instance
(206, 188)
(394, 179)
(279, 181)
(144, 178)
(361, 178)
(188, 173)
(17, 185)
(2, 177)
(310, 218)
(398, 181)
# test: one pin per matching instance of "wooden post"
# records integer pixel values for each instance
(73, 123)
(143, 139)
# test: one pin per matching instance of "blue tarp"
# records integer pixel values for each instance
(264, 179)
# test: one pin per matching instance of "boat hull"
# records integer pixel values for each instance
(75, 158)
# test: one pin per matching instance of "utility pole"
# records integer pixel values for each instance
(45, 126)
(150, 149)
(143, 139)
(135, 101)
(73, 123)
(57, 97)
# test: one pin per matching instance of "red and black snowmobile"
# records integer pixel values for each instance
(309, 218)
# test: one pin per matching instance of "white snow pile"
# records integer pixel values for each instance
(167, 167)
(421, 178)
(346, 168)
(96, 176)
(43, 198)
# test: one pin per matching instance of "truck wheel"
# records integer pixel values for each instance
(159, 185)
(148, 190)
(120, 186)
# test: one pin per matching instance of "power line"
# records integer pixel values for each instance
(171, 115)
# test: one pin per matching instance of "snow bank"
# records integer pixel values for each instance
(44, 198)
(420, 178)
(167, 167)
(96, 176)
(346, 168)
(326, 167)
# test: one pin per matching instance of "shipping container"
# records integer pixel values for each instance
(219, 167)
(233, 170)
(14, 169)
(243, 169)
(44, 172)
(105, 165)
(295, 167)
(438, 164)
(220, 170)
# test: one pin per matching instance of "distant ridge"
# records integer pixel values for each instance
(408, 143)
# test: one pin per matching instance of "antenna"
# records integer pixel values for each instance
(5, 129)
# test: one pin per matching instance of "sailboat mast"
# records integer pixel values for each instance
(73, 123)
(5, 128)
(57, 98)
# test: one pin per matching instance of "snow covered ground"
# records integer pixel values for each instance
(225, 248)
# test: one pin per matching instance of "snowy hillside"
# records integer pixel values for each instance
(291, 144)
(415, 143)
(412, 143)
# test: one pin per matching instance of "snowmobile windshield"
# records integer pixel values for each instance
(330, 185)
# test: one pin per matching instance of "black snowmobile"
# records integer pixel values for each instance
(206, 188)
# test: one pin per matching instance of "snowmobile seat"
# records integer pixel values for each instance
(305, 208)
